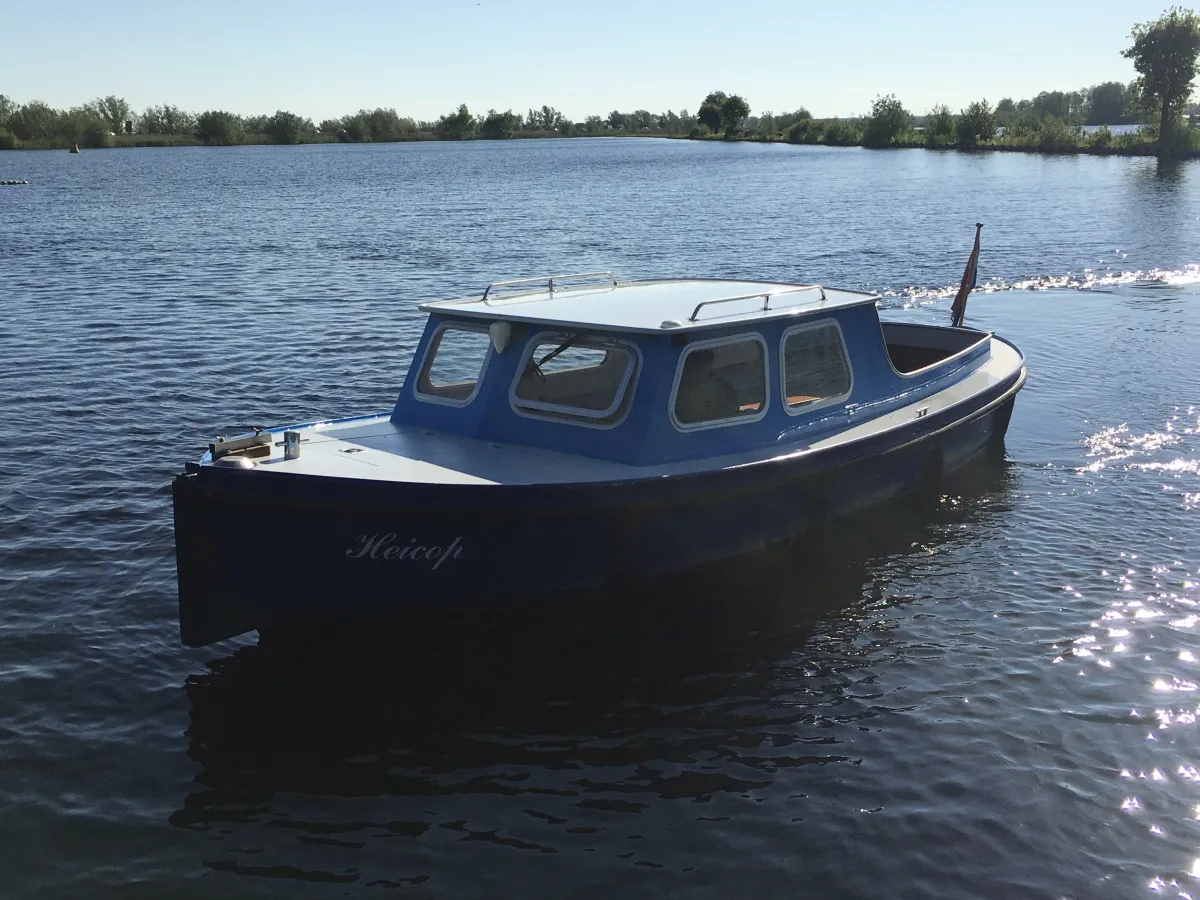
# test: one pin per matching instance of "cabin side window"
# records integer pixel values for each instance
(814, 370)
(585, 378)
(454, 365)
(722, 382)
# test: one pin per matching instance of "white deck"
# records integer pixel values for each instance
(644, 306)
(377, 449)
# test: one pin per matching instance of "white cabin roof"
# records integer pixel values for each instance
(684, 304)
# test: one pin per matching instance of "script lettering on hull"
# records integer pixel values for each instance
(385, 546)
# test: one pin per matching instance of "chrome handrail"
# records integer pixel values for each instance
(549, 279)
(766, 298)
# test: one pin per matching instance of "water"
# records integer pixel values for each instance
(993, 697)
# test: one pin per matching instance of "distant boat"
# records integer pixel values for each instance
(74, 148)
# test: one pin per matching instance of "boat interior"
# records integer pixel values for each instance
(914, 347)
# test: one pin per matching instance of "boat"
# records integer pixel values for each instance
(576, 433)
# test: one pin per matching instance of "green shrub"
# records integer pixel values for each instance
(842, 134)
(1053, 134)
(1101, 138)
(288, 128)
(95, 134)
(498, 125)
(805, 131)
(8, 140)
(939, 126)
(456, 126)
(887, 121)
(976, 123)
(700, 131)
(219, 128)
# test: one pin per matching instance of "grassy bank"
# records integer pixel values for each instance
(252, 140)
(1051, 138)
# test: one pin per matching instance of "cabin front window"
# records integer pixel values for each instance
(814, 369)
(574, 376)
(454, 365)
(721, 382)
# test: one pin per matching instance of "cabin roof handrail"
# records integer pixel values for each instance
(548, 279)
(765, 295)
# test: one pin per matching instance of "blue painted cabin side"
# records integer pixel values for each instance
(647, 434)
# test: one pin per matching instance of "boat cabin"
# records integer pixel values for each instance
(648, 373)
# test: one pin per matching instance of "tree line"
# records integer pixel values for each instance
(110, 120)
(1164, 52)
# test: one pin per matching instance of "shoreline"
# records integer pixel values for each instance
(1139, 149)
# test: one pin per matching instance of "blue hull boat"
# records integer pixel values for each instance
(575, 433)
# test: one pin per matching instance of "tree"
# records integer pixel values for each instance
(766, 124)
(842, 134)
(805, 131)
(887, 121)
(288, 128)
(616, 119)
(166, 120)
(1108, 104)
(34, 121)
(256, 124)
(939, 126)
(976, 122)
(457, 126)
(81, 125)
(219, 128)
(733, 110)
(497, 126)
(785, 121)
(1164, 54)
(113, 111)
(1070, 106)
(384, 124)
(709, 116)
(710, 110)
(355, 128)
(330, 126)
(7, 107)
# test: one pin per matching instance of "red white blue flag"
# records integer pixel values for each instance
(969, 279)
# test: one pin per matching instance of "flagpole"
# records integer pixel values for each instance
(958, 309)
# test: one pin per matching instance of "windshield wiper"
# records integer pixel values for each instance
(537, 366)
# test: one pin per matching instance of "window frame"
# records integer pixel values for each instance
(741, 337)
(435, 344)
(574, 415)
(804, 408)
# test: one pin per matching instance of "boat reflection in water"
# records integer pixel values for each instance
(549, 730)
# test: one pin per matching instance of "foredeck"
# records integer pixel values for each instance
(599, 301)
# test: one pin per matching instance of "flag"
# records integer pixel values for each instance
(969, 279)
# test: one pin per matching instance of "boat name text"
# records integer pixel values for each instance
(384, 546)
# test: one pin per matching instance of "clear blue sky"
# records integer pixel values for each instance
(325, 59)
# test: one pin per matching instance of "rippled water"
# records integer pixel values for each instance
(993, 697)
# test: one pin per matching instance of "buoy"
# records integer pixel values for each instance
(74, 148)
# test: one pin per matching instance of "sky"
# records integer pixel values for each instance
(324, 59)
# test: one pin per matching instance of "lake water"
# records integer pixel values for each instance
(995, 697)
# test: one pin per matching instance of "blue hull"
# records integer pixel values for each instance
(289, 552)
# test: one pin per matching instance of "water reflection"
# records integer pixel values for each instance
(1171, 171)
(566, 729)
